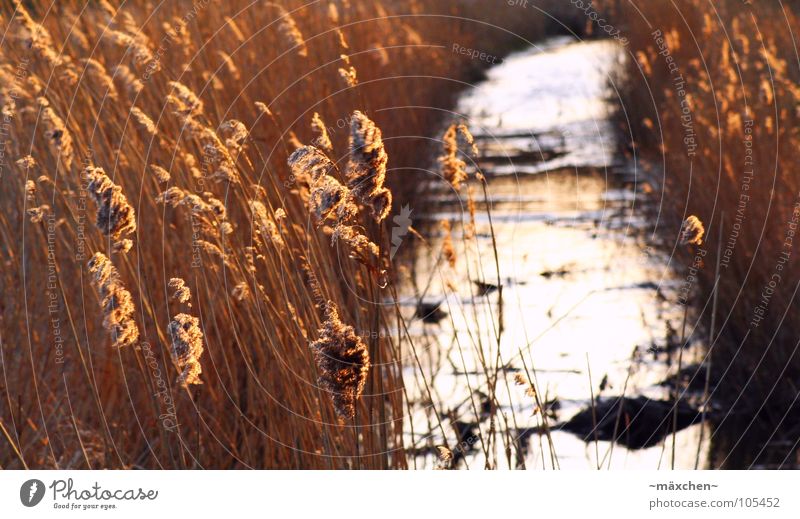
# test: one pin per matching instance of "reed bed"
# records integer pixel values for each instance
(710, 98)
(194, 218)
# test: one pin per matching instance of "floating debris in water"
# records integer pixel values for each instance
(430, 313)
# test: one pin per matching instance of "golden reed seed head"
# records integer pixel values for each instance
(333, 13)
(122, 247)
(349, 75)
(173, 196)
(692, 231)
(310, 164)
(58, 137)
(161, 174)
(30, 190)
(234, 27)
(186, 349)
(264, 225)
(115, 217)
(366, 171)
(26, 162)
(182, 293)
(454, 169)
(230, 65)
(116, 301)
(37, 214)
(216, 206)
(36, 37)
(322, 140)
(466, 142)
(360, 247)
(129, 81)
(263, 108)
(241, 291)
(185, 100)
(144, 121)
(235, 133)
(290, 32)
(329, 199)
(520, 380)
(444, 458)
(96, 71)
(343, 362)
(448, 249)
(215, 153)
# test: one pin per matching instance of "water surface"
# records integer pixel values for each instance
(587, 309)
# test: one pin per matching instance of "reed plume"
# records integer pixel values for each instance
(181, 293)
(454, 169)
(448, 249)
(360, 247)
(332, 202)
(290, 32)
(161, 174)
(97, 72)
(116, 301)
(692, 231)
(343, 362)
(323, 140)
(366, 171)
(444, 458)
(144, 121)
(264, 225)
(37, 214)
(184, 99)
(26, 162)
(36, 37)
(115, 217)
(348, 73)
(58, 137)
(329, 199)
(186, 349)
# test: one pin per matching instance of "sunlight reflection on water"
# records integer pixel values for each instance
(579, 292)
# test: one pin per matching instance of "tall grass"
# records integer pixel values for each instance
(711, 100)
(174, 294)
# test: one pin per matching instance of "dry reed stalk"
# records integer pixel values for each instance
(196, 146)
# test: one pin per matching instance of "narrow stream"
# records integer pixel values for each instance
(587, 309)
